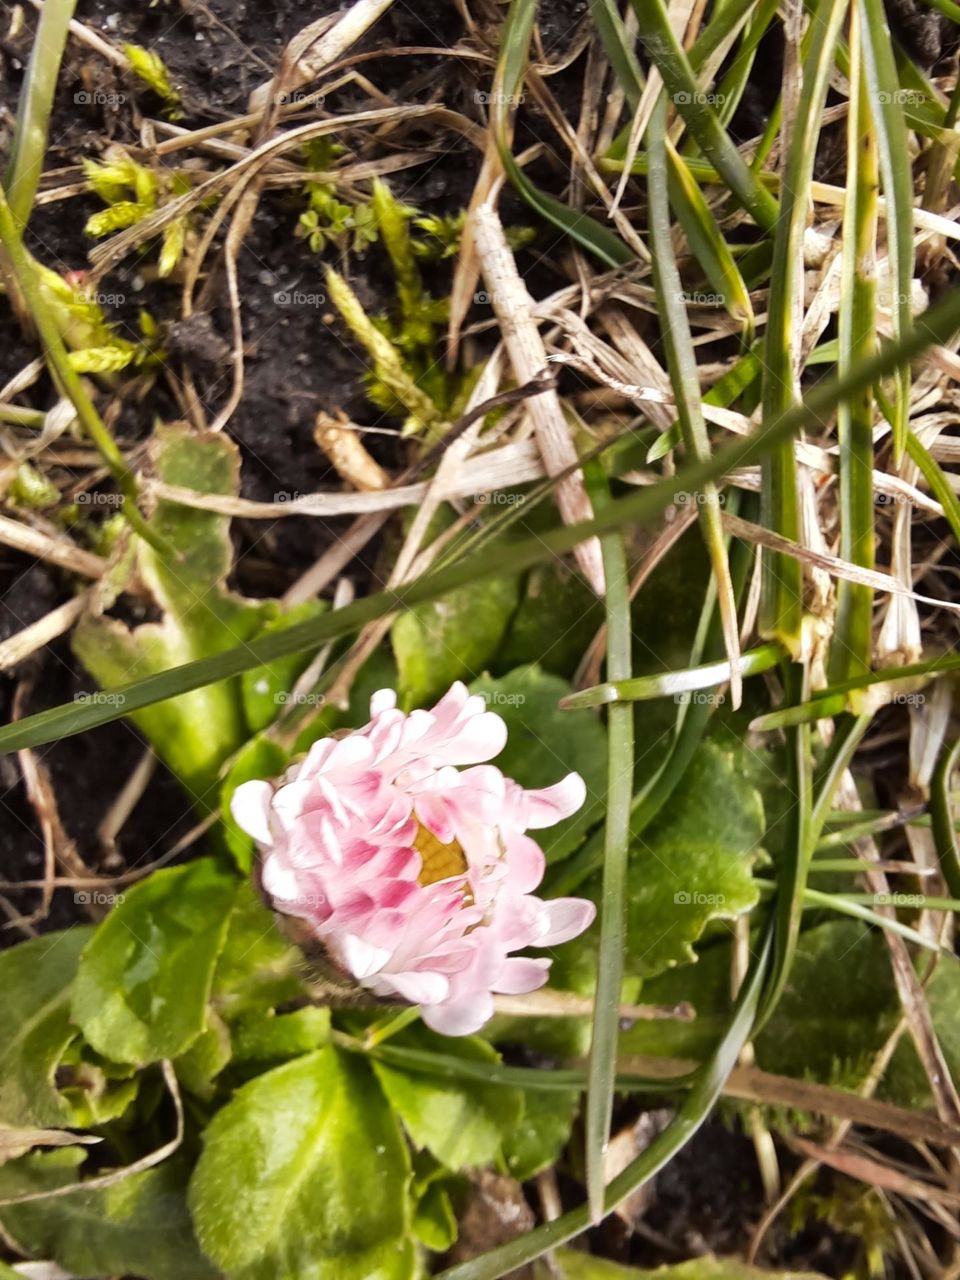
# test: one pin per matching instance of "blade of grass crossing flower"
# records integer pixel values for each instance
(68, 381)
(944, 825)
(682, 366)
(897, 174)
(507, 91)
(936, 326)
(781, 607)
(685, 93)
(700, 1101)
(616, 845)
(850, 647)
(36, 100)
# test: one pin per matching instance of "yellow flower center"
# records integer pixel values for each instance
(440, 861)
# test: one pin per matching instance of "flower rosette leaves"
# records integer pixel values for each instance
(464, 1125)
(194, 733)
(35, 1027)
(144, 979)
(139, 1224)
(304, 1175)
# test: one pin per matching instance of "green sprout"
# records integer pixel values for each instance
(327, 220)
(131, 192)
(150, 68)
(95, 346)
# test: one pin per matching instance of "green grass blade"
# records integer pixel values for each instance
(682, 367)
(897, 174)
(508, 87)
(836, 699)
(798, 848)
(934, 475)
(707, 243)
(36, 100)
(781, 609)
(696, 1107)
(617, 46)
(693, 716)
(935, 326)
(941, 813)
(684, 91)
(851, 645)
(616, 848)
(722, 394)
(709, 675)
(546, 1080)
(847, 905)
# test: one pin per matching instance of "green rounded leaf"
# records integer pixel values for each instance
(304, 1175)
(35, 1028)
(144, 979)
(462, 1123)
(138, 1226)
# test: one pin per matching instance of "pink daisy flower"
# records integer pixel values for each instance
(408, 857)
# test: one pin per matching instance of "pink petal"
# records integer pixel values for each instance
(360, 957)
(461, 1018)
(550, 805)
(420, 988)
(525, 862)
(382, 700)
(568, 917)
(521, 974)
(250, 805)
